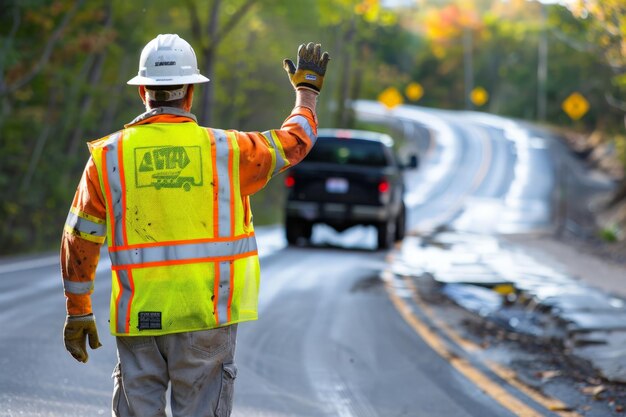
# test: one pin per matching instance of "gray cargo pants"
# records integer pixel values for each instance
(200, 366)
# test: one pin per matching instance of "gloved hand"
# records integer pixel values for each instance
(311, 68)
(75, 333)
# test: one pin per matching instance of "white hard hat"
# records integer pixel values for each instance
(168, 60)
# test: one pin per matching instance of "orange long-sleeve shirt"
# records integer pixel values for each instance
(80, 248)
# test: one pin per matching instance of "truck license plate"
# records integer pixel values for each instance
(337, 185)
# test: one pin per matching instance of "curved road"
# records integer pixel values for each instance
(333, 339)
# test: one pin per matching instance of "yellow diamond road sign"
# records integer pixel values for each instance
(575, 105)
(390, 98)
(479, 96)
(414, 91)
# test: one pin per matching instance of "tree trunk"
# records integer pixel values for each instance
(118, 91)
(6, 103)
(215, 34)
(40, 143)
(93, 79)
(346, 68)
(207, 101)
(357, 83)
(208, 57)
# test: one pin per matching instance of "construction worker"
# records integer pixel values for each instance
(172, 200)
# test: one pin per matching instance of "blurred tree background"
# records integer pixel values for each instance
(64, 66)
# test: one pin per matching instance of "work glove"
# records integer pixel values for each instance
(311, 68)
(75, 333)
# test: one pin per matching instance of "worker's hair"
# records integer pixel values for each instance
(158, 103)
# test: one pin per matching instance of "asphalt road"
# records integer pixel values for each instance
(331, 340)
(331, 343)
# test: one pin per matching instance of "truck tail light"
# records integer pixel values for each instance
(383, 186)
(290, 181)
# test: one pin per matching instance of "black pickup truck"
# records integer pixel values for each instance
(350, 177)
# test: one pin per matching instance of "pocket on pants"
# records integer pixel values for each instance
(225, 402)
(211, 342)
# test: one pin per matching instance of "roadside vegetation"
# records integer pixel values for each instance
(64, 66)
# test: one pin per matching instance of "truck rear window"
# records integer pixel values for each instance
(348, 152)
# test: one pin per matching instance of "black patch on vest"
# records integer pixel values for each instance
(150, 320)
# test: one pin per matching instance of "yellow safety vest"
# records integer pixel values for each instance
(180, 235)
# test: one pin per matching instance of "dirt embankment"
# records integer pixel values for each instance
(602, 221)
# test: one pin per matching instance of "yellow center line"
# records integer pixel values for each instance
(487, 385)
(467, 345)
(550, 403)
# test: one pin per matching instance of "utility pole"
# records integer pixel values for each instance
(542, 66)
(468, 65)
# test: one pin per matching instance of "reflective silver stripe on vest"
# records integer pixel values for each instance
(85, 226)
(124, 300)
(223, 292)
(115, 187)
(222, 156)
(304, 124)
(280, 160)
(74, 287)
(183, 252)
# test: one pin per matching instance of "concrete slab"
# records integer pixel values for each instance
(609, 358)
(585, 299)
(593, 320)
(476, 299)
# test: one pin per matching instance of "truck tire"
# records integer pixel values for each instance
(297, 229)
(401, 223)
(386, 233)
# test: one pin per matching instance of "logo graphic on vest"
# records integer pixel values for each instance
(168, 167)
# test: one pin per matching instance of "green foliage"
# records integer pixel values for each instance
(56, 93)
(609, 234)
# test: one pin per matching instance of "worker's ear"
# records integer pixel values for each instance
(189, 98)
(142, 93)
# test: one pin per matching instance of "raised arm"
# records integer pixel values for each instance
(266, 154)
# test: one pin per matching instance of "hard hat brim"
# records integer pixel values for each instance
(189, 79)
